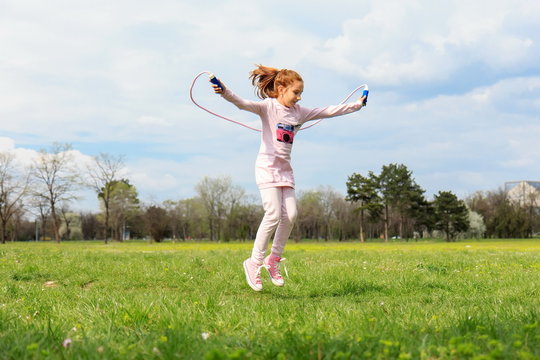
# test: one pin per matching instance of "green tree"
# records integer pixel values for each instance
(503, 217)
(421, 211)
(124, 204)
(451, 214)
(398, 191)
(486, 204)
(363, 192)
(157, 223)
(511, 220)
(90, 225)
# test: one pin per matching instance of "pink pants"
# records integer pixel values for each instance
(279, 205)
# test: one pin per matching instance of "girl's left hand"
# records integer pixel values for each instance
(217, 89)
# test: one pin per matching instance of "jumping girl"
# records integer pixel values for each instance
(281, 118)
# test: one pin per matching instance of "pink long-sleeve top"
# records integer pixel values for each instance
(279, 126)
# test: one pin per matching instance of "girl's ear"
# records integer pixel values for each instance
(280, 89)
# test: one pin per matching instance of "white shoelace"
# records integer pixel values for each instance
(258, 273)
(284, 266)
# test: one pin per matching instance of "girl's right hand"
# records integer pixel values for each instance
(362, 99)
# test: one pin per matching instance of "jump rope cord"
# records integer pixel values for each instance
(242, 124)
(211, 112)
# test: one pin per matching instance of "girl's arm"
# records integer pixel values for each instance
(251, 106)
(331, 111)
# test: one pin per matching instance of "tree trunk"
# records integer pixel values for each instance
(211, 227)
(386, 221)
(56, 225)
(362, 239)
(4, 230)
(3, 234)
(401, 221)
(106, 203)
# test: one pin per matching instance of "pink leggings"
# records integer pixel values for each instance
(279, 205)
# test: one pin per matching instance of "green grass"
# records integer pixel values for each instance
(425, 300)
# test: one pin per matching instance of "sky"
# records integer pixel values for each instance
(454, 87)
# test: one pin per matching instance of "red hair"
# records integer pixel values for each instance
(267, 80)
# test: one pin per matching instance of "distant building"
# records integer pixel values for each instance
(526, 193)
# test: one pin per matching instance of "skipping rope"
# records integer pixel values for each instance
(215, 81)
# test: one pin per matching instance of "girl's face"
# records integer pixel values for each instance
(290, 95)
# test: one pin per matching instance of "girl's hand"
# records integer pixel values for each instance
(362, 99)
(217, 89)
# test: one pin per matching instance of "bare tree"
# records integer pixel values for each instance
(310, 214)
(56, 180)
(328, 199)
(40, 208)
(103, 175)
(192, 212)
(13, 187)
(67, 216)
(235, 201)
(220, 198)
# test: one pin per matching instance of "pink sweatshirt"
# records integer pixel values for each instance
(279, 126)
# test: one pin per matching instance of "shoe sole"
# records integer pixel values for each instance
(251, 285)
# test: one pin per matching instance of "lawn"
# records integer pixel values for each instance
(425, 300)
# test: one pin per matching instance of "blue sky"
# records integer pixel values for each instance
(454, 87)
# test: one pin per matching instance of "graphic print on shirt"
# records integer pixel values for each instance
(285, 133)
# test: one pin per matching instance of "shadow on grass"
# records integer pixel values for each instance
(347, 288)
(343, 289)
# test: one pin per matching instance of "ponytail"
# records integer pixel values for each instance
(267, 79)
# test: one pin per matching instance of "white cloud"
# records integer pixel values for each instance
(152, 121)
(26, 157)
(418, 41)
(118, 73)
(176, 179)
(101, 69)
(22, 157)
(523, 147)
(6, 144)
(477, 140)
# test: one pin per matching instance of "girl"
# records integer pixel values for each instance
(281, 118)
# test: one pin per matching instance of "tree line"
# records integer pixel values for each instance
(35, 204)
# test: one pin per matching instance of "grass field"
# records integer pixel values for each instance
(426, 300)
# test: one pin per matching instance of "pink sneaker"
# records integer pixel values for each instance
(272, 263)
(253, 274)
